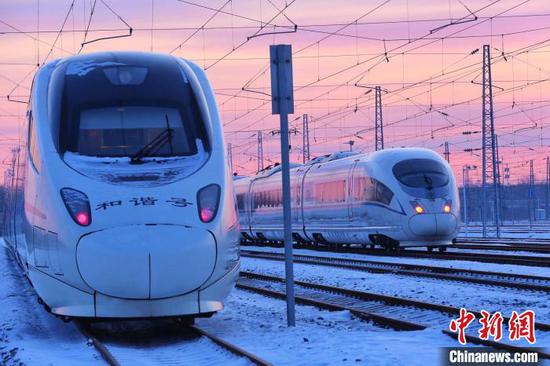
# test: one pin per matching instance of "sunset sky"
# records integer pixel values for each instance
(425, 54)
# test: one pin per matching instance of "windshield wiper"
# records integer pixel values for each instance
(429, 182)
(155, 144)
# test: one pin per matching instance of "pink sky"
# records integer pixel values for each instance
(441, 64)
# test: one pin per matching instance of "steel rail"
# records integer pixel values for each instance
(376, 302)
(99, 346)
(112, 361)
(230, 347)
(411, 253)
(415, 270)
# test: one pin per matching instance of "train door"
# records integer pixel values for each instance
(358, 211)
(296, 197)
(350, 190)
(34, 254)
(303, 196)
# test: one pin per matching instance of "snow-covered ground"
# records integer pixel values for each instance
(480, 266)
(28, 334)
(509, 231)
(258, 324)
(469, 295)
(497, 252)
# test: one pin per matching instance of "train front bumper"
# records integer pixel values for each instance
(146, 261)
(433, 225)
(69, 301)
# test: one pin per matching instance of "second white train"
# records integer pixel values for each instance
(393, 198)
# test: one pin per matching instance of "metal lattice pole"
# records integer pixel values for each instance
(260, 156)
(378, 122)
(305, 136)
(489, 158)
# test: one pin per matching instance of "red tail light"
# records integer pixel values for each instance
(208, 199)
(83, 218)
(78, 205)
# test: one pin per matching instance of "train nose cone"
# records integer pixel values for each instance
(146, 261)
(433, 224)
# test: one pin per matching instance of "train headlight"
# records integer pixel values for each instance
(208, 199)
(417, 207)
(447, 207)
(78, 205)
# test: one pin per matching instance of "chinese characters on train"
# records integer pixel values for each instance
(520, 326)
(144, 201)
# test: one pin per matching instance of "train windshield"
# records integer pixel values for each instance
(125, 130)
(117, 106)
(421, 173)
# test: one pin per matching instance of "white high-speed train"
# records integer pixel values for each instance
(122, 205)
(393, 198)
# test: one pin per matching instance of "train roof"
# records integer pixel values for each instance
(387, 156)
(113, 58)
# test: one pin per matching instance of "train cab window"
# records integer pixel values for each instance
(123, 131)
(421, 173)
(117, 106)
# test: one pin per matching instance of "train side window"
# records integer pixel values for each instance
(382, 193)
(370, 189)
(330, 192)
(32, 144)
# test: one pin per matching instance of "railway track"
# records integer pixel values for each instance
(525, 282)
(509, 245)
(387, 311)
(504, 247)
(537, 261)
(164, 348)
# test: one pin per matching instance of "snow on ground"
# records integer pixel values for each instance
(31, 336)
(507, 232)
(258, 324)
(28, 334)
(479, 266)
(498, 252)
(470, 295)
(166, 344)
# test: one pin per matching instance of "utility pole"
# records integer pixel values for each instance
(350, 143)
(378, 122)
(465, 183)
(305, 138)
(547, 190)
(530, 193)
(282, 103)
(499, 182)
(260, 156)
(489, 158)
(447, 153)
(230, 156)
